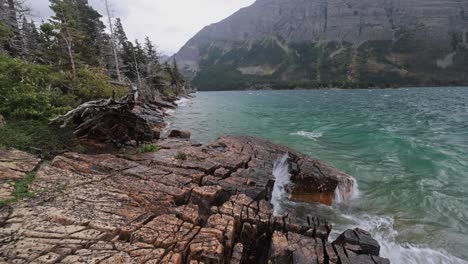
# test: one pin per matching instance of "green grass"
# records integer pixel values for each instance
(21, 189)
(147, 148)
(22, 186)
(37, 137)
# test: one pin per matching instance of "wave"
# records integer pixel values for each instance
(346, 192)
(307, 134)
(282, 181)
(182, 101)
(381, 228)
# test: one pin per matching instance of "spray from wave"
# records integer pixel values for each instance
(307, 134)
(182, 101)
(381, 228)
(346, 190)
(282, 181)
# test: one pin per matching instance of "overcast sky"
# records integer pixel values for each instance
(169, 23)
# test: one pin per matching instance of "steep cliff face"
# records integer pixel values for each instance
(332, 42)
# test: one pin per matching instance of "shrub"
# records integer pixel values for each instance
(37, 137)
(28, 90)
(93, 83)
(181, 156)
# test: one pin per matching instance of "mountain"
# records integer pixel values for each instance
(345, 43)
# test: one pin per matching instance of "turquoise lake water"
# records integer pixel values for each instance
(407, 149)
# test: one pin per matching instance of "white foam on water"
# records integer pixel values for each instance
(282, 181)
(182, 101)
(307, 134)
(381, 228)
(342, 194)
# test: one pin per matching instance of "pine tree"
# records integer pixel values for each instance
(124, 49)
(120, 35)
(154, 77)
(10, 12)
(66, 21)
(30, 39)
(90, 47)
(152, 56)
(177, 76)
(50, 50)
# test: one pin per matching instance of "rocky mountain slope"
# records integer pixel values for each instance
(332, 42)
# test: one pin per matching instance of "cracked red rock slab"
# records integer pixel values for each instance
(212, 207)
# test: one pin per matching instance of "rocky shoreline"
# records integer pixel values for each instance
(183, 203)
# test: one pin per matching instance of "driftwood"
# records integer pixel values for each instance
(108, 121)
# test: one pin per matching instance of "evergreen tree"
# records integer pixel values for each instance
(10, 11)
(177, 77)
(151, 54)
(49, 49)
(141, 59)
(154, 76)
(81, 31)
(30, 39)
(66, 22)
(125, 50)
(91, 47)
(120, 35)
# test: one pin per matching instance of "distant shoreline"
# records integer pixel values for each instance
(334, 88)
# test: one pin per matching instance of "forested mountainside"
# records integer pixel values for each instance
(332, 43)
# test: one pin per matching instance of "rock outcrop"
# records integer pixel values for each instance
(212, 206)
(327, 42)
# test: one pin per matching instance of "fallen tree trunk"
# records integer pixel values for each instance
(108, 121)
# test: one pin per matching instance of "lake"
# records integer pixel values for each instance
(407, 149)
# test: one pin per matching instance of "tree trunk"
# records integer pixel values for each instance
(114, 49)
(69, 42)
(72, 61)
(137, 71)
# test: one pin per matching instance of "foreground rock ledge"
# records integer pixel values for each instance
(186, 203)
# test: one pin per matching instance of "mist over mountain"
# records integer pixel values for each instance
(344, 43)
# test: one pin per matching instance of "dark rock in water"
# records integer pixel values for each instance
(210, 207)
(358, 241)
(379, 260)
(180, 134)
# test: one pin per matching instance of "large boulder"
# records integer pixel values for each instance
(310, 180)
(358, 241)
(180, 134)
